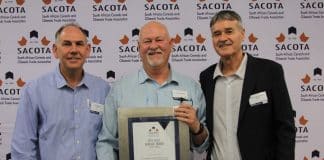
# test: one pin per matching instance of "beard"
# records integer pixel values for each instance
(154, 61)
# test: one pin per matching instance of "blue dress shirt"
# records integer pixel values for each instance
(54, 121)
(139, 90)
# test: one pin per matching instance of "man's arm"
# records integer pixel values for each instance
(24, 143)
(284, 119)
(194, 117)
(201, 140)
(107, 144)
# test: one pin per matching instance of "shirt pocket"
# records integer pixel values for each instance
(95, 120)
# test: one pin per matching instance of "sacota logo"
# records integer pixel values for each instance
(129, 45)
(251, 46)
(49, 8)
(315, 155)
(293, 41)
(207, 5)
(312, 87)
(10, 89)
(33, 39)
(292, 46)
(189, 43)
(128, 49)
(314, 83)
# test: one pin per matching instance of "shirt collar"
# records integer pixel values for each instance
(239, 73)
(143, 77)
(61, 82)
(241, 70)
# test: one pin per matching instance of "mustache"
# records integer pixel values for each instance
(224, 43)
(153, 51)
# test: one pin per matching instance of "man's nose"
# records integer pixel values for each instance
(154, 45)
(74, 47)
(222, 37)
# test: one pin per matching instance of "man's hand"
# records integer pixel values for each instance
(187, 114)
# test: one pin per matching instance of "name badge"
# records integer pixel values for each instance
(258, 98)
(179, 94)
(96, 107)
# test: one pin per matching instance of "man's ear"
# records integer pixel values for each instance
(138, 44)
(54, 50)
(88, 50)
(243, 34)
(172, 41)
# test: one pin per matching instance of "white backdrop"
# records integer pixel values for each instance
(285, 31)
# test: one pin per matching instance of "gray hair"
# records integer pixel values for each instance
(59, 31)
(226, 15)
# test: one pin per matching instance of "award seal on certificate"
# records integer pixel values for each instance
(152, 134)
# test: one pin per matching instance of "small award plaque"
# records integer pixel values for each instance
(152, 133)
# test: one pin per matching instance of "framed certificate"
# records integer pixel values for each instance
(152, 133)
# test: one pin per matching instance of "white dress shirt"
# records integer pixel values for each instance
(227, 98)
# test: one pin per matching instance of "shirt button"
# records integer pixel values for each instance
(78, 142)
(79, 157)
(76, 111)
(76, 126)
